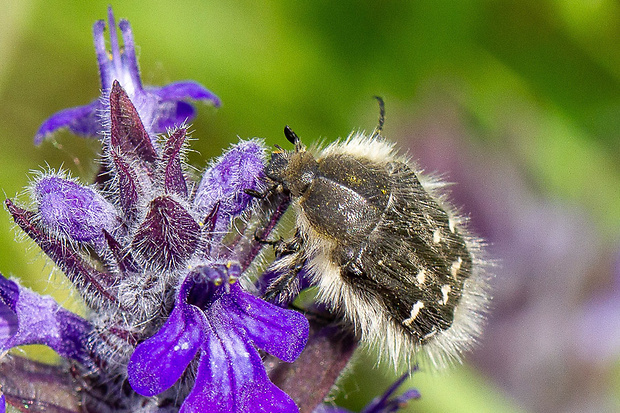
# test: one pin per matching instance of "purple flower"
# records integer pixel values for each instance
(381, 404)
(224, 182)
(73, 211)
(28, 318)
(220, 322)
(160, 108)
(146, 224)
(388, 404)
(145, 247)
(92, 282)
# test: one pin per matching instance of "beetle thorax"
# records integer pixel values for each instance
(299, 173)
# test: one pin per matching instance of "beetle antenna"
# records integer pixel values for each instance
(379, 127)
(292, 138)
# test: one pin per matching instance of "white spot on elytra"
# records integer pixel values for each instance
(445, 290)
(431, 334)
(456, 266)
(436, 236)
(414, 313)
(421, 276)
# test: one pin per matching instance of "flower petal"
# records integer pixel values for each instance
(171, 115)
(280, 332)
(8, 325)
(381, 404)
(130, 63)
(103, 59)
(160, 108)
(226, 180)
(388, 402)
(185, 90)
(114, 45)
(40, 320)
(157, 363)
(117, 64)
(9, 293)
(231, 376)
(72, 210)
(81, 120)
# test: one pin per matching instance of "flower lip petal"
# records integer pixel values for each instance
(174, 114)
(41, 320)
(81, 120)
(280, 332)
(185, 90)
(231, 376)
(159, 362)
(208, 316)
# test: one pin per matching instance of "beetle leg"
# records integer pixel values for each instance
(290, 260)
(286, 286)
(261, 195)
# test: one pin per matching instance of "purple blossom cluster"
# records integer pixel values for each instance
(160, 107)
(173, 322)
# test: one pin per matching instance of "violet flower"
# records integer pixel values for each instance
(215, 318)
(169, 328)
(72, 211)
(385, 403)
(224, 183)
(160, 108)
(147, 227)
(28, 318)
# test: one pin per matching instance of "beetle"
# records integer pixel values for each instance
(382, 244)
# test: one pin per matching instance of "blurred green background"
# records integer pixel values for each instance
(531, 87)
